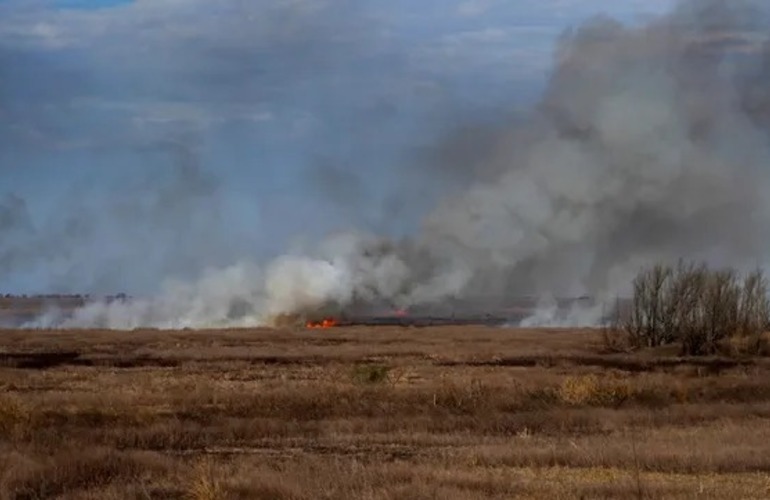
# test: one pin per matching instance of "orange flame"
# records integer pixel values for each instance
(324, 323)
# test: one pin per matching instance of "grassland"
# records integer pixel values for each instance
(374, 413)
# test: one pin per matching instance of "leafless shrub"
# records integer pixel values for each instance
(697, 307)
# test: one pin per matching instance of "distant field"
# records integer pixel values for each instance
(374, 413)
(17, 310)
(36, 304)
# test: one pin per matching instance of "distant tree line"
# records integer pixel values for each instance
(59, 296)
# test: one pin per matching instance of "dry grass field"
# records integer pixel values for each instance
(374, 413)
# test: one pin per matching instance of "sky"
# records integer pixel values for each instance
(250, 122)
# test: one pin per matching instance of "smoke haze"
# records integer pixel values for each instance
(648, 143)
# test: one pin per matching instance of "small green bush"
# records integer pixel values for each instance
(370, 373)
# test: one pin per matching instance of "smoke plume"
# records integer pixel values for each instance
(649, 143)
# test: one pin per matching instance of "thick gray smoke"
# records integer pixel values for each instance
(649, 143)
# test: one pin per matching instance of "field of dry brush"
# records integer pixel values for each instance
(374, 413)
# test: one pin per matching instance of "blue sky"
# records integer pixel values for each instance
(88, 4)
(307, 113)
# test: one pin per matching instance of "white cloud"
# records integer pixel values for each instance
(474, 8)
(520, 52)
(208, 62)
(162, 62)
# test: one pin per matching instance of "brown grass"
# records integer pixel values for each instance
(376, 413)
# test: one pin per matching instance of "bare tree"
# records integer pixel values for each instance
(696, 307)
(645, 324)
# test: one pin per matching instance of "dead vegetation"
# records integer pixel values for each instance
(380, 413)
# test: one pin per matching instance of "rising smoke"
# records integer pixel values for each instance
(649, 143)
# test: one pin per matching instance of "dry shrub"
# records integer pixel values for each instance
(589, 390)
(205, 483)
(15, 416)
